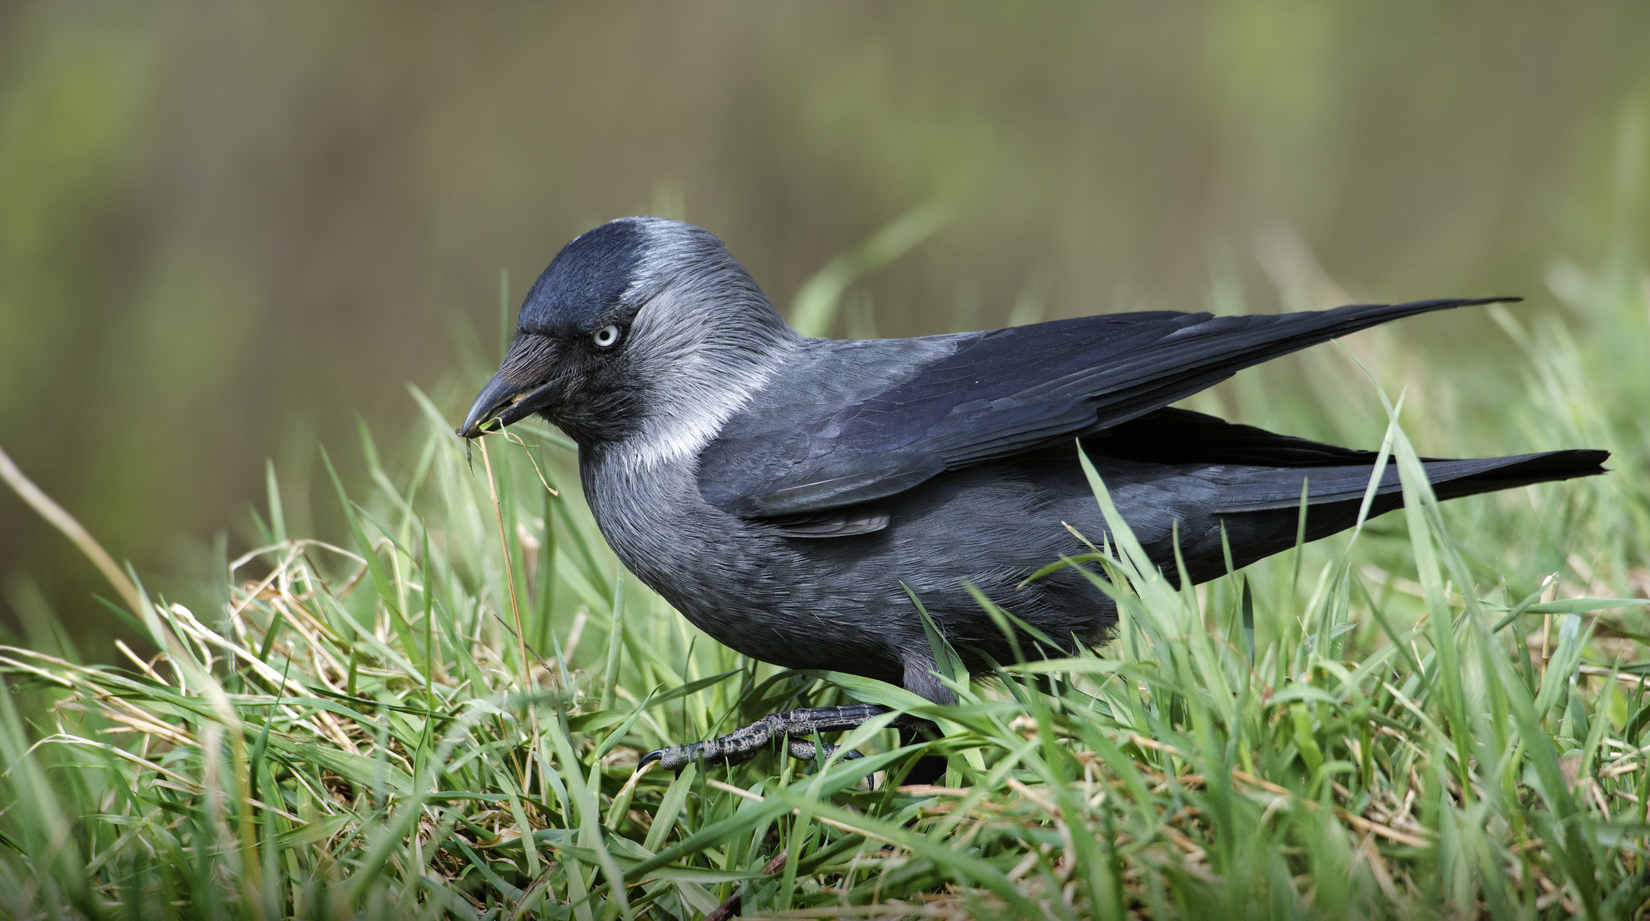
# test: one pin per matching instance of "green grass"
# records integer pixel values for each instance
(441, 717)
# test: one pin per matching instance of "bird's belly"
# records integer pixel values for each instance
(742, 583)
(845, 603)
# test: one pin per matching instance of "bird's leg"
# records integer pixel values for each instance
(797, 727)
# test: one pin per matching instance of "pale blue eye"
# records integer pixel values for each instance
(606, 336)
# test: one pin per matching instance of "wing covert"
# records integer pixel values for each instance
(867, 420)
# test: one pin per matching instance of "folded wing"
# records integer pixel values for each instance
(997, 394)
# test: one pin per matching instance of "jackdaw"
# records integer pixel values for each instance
(783, 492)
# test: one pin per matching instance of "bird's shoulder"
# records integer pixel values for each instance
(798, 413)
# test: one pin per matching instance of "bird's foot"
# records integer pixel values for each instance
(796, 727)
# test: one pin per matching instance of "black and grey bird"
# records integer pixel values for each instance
(784, 492)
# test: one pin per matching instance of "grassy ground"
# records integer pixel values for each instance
(442, 716)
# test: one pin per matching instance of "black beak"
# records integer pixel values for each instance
(519, 389)
(496, 398)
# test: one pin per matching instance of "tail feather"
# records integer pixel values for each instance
(1520, 470)
(1260, 476)
(1267, 468)
(1280, 488)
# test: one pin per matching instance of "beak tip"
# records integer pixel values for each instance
(505, 399)
(485, 409)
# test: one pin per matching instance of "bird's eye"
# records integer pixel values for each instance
(606, 336)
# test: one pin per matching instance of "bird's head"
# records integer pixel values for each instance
(642, 329)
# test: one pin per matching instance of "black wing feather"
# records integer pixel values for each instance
(1005, 392)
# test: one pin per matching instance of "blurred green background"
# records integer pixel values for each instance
(231, 232)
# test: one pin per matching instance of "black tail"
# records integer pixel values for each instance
(1453, 479)
(1262, 476)
(1280, 487)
